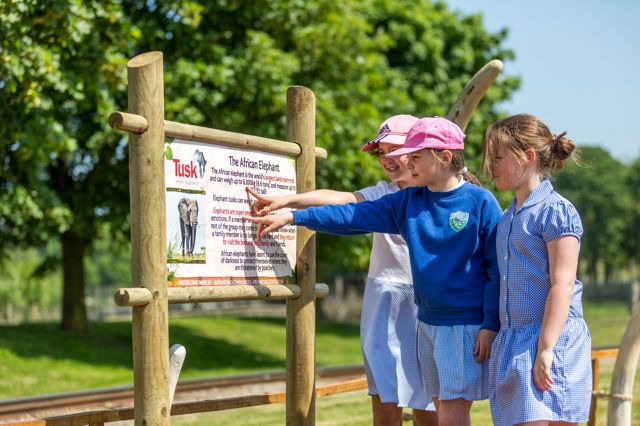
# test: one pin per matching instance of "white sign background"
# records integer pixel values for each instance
(211, 180)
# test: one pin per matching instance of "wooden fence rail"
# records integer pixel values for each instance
(99, 418)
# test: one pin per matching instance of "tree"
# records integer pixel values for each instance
(597, 188)
(63, 173)
(632, 235)
(227, 66)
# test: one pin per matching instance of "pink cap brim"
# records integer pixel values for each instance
(388, 138)
(403, 151)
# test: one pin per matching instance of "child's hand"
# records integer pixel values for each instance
(485, 339)
(542, 370)
(264, 204)
(271, 223)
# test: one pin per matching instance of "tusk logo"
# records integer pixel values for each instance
(458, 220)
(199, 157)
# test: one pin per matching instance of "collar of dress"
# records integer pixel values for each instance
(539, 194)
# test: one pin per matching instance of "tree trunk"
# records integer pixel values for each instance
(608, 272)
(74, 312)
(592, 267)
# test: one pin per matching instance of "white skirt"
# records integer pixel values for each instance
(388, 335)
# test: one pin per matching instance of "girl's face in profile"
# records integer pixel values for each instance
(395, 167)
(507, 169)
(425, 167)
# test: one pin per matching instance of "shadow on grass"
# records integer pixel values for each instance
(206, 353)
(322, 327)
(109, 344)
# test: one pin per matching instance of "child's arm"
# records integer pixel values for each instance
(563, 264)
(270, 223)
(380, 215)
(491, 214)
(266, 204)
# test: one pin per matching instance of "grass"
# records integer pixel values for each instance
(39, 358)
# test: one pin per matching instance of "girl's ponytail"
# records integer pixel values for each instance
(458, 163)
(561, 148)
(470, 177)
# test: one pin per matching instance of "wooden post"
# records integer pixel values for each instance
(301, 312)
(619, 413)
(467, 101)
(595, 371)
(148, 242)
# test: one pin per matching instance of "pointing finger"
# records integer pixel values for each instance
(264, 211)
(253, 219)
(254, 193)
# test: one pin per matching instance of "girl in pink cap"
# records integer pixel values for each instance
(450, 226)
(387, 326)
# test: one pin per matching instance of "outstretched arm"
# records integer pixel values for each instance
(265, 204)
(382, 215)
(270, 223)
(563, 264)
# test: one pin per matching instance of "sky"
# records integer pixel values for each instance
(579, 62)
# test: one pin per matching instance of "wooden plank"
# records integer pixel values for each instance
(348, 386)
(137, 296)
(148, 242)
(138, 124)
(604, 352)
(233, 292)
(595, 368)
(182, 408)
(227, 403)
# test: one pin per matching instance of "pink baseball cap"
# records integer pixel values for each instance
(393, 130)
(431, 132)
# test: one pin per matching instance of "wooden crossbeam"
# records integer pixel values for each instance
(139, 296)
(137, 124)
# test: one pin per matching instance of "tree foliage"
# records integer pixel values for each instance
(598, 187)
(63, 173)
(228, 63)
(631, 243)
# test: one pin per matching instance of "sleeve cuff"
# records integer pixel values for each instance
(299, 216)
(491, 322)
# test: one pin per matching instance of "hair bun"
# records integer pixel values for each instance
(562, 147)
(558, 138)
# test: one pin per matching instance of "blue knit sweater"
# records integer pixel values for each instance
(452, 245)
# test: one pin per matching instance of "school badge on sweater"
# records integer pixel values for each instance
(458, 220)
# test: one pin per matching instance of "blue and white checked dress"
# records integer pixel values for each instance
(523, 260)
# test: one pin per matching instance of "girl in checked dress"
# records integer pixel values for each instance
(541, 358)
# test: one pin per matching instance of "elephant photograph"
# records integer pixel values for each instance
(186, 241)
(188, 216)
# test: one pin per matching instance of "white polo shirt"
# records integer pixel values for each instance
(389, 254)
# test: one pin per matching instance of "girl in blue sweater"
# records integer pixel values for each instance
(388, 311)
(449, 225)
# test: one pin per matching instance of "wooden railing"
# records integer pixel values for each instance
(99, 418)
(598, 353)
